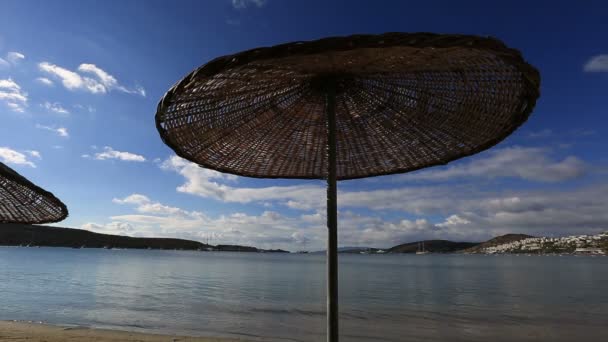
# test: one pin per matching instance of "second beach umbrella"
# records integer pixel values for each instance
(348, 107)
(21, 201)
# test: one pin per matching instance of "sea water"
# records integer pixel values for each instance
(281, 297)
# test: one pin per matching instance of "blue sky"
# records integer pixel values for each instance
(80, 81)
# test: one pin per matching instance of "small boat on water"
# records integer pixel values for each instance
(421, 249)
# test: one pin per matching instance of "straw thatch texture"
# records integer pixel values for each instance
(403, 102)
(21, 201)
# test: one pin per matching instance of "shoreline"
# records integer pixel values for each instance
(42, 332)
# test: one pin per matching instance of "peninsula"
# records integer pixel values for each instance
(48, 236)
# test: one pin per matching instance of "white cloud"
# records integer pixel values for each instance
(9, 84)
(116, 228)
(132, 199)
(45, 81)
(15, 107)
(415, 200)
(464, 216)
(137, 90)
(101, 82)
(241, 4)
(529, 163)
(267, 230)
(145, 205)
(106, 79)
(539, 212)
(458, 212)
(34, 153)
(202, 182)
(60, 131)
(63, 132)
(12, 95)
(10, 156)
(471, 212)
(89, 108)
(361, 230)
(70, 79)
(597, 63)
(55, 107)
(454, 220)
(109, 153)
(14, 57)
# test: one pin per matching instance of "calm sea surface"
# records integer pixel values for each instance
(282, 297)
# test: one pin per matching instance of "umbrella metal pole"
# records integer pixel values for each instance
(332, 217)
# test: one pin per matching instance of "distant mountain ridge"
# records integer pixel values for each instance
(432, 246)
(48, 236)
(499, 240)
(360, 250)
(596, 244)
(351, 249)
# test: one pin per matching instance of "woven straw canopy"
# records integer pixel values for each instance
(402, 102)
(348, 107)
(21, 201)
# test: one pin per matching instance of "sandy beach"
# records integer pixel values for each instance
(35, 332)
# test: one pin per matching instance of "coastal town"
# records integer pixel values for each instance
(576, 244)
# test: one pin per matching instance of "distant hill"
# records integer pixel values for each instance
(350, 249)
(34, 235)
(596, 244)
(47, 236)
(237, 248)
(358, 250)
(499, 240)
(274, 251)
(433, 246)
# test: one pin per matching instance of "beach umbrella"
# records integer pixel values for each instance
(21, 201)
(348, 107)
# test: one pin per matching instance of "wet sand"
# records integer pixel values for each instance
(34, 332)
